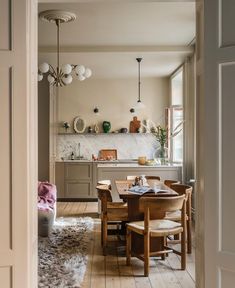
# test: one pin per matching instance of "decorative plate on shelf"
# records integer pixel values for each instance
(79, 125)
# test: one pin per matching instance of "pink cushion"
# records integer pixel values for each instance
(46, 196)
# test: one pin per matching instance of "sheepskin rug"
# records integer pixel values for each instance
(63, 255)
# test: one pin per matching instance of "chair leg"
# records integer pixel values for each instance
(128, 247)
(105, 235)
(146, 254)
(101, 238)
(177, 237)
(189, 236)
(163, 244)
(183, 250)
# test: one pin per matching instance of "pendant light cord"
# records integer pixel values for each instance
(139, 60)
(58, 45)
(139, 82)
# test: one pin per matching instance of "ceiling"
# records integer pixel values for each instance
(107, 37)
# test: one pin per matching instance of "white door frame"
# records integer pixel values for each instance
(200, 233)
(18, 169)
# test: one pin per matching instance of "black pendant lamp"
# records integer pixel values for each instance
(139, 104)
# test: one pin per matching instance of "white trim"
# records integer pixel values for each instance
(32, 139)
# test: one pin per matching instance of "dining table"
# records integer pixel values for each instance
(132, 198)
(158, 189)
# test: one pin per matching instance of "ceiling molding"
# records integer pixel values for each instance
(117, 49)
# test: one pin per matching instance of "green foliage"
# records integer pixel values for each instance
(161, 133)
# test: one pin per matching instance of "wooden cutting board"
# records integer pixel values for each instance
(108, 154)
(134, 125)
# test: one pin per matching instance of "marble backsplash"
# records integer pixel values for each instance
(129, 146)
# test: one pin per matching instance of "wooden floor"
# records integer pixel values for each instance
(111, 271)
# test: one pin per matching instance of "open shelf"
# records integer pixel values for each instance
(94, 134)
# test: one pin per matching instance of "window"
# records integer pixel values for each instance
(176, 117)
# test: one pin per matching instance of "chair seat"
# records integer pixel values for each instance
(157, 227)
(174, 216)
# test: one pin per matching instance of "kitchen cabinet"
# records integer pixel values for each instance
(74, 180)
(78, 179)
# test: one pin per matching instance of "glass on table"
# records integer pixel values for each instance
(156, 186)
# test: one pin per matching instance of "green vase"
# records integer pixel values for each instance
(106, 126)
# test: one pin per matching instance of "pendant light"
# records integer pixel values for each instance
(139, 104)
(61, 76)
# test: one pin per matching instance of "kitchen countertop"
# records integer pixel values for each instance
(121, 163)
(133, 165)
(100, 161)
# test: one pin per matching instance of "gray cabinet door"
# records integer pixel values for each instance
(74, 180)
(78, 171)
(77, 189)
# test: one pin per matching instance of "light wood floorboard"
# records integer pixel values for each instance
(111, 271)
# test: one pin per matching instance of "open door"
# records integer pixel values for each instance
(18, 143)
(216, 153)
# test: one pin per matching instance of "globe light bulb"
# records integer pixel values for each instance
(66, 68)
(81, 77)
(44, 67)
(67, 79)
(50, 79)
(87, 73)
(40, 77)
(139, 105)
(80, 69)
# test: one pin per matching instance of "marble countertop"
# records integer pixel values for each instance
(121, 163)
(133, 165)
(100, 161)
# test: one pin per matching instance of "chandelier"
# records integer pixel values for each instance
(61, 76)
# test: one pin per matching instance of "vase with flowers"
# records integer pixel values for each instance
(161, 155)
(163, 135)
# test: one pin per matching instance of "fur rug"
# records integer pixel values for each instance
(63, 255)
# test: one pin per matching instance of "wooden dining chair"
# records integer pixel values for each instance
(168, 182)
(155, 208)
(104, 182)
(111, 212)
(108, 184)
(186, 190)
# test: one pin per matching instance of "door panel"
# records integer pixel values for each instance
(18, 138)
(227, 20)
(6, 158)
(217, 142)
(6, 114)
(5, 25)
(227, 154)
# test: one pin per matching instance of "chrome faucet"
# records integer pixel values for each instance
(79, 150)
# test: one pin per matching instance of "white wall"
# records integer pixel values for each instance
(114, 98)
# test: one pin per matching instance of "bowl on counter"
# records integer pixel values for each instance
(142, 160)
(150, 163)
(123, 130)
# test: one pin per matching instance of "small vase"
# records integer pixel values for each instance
(161, 156)
(106, 126)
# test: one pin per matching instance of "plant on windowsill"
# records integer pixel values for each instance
(161, 155)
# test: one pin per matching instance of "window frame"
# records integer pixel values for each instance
(180, 69)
